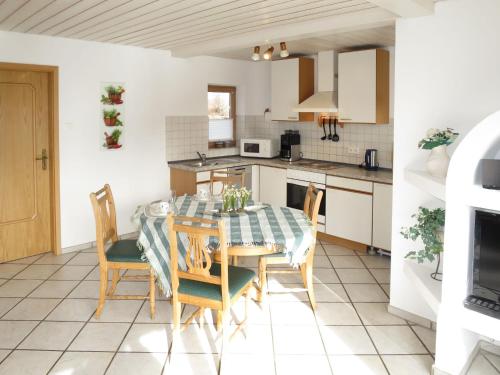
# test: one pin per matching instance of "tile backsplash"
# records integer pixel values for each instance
(187, 134)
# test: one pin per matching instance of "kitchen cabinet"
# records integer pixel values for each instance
(363, 86)
(272, 185)
(382, 216)
(292, 82)
(349, 209)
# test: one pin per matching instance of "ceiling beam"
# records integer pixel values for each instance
(359, 20)
(407, 8)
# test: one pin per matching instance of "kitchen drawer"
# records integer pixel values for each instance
(318, 178)
(205, 176)
(350, 184)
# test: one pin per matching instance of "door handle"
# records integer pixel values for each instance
(44, 157)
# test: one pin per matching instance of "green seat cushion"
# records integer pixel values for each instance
(238, 277)
(124, 251)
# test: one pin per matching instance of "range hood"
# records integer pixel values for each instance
(325, 100)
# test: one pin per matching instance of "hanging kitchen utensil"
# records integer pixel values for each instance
(335, 137)
(329, 128)
(324, 131)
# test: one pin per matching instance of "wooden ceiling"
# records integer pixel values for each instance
(168, 24)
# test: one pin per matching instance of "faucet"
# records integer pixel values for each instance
(203, 158)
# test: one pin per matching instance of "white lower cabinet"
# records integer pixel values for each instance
(272, 182)
(349, 215)
(382, 216)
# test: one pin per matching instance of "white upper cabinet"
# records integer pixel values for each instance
(292, 82)
(363, 86)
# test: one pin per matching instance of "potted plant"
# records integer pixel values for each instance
(114, 95)
(111, 117)
(235, 199)
(437, 140)
(112, 140)
(429, 228)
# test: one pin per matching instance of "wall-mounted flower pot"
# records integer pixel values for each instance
(115, 98)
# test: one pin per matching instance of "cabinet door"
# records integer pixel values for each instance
(349, 215)
(382, 216)
(357, 86)
(284, 89)
(273, 186)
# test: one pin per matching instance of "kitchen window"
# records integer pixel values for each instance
(221, 116)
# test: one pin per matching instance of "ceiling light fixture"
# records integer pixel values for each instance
(268, 54)
(284, 51)
(256, 52)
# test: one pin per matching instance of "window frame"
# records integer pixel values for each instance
(232, 115)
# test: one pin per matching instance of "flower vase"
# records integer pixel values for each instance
(438, 161)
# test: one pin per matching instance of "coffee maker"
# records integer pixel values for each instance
(290, 146)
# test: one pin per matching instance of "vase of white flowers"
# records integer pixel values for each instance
(437, 140)
(235, 199)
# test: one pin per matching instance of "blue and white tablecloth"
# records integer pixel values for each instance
(281, 228)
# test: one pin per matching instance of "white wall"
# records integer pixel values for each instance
(157, 85)
(447, 75)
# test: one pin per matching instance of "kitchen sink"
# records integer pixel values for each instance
(213, 162)
(201, 164)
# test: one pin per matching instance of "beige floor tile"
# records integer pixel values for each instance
(257, 313)
(324, 276)
(96, 276)
(252, 339)
(86, 289)
(82, 363)
(27, 260)
(366, 293)
(319, 250)
(139, 288)
(387, 288)
(297, 340)
(73, 310)
(382, 275)
(100, 337)
(357, 364)
(377, 314)
(137, 363)
(3, 354)
(7, 303)
(346, 340)
(52, 336)
(292, 313)
(330, 293)
(3, 281)
(209, 316)
(11, 333)
(8, 270)
(355, 276)
(54, 289)
(32, 309)
(410, 364)
(119, 311)
(288, 293)
(84, 259)
(195, 339)
(18, 288)
(336, 314)
(29, 362)
(71, 273)
(89, 250)
(50, 258)
(337, 250)
(247, 364)
(322, 261)
(302, 364)
(192, 364)
(428, 337)
(37, 272)
(343, 261)
(147, 338)
(163, 313)
(395, 340)
(376, 261)
(284, 278)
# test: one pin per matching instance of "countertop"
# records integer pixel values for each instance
(382, 175)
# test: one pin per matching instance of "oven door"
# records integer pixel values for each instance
(296, 194)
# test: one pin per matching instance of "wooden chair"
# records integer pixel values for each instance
(121, 255)
(227, 178)
(311, 209)
(205, 284)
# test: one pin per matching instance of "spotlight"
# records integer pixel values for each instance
(284, 51)
(255, 55)
(268, 54)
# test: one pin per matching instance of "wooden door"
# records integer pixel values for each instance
(25, 182)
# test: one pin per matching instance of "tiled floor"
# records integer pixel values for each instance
(47, 305)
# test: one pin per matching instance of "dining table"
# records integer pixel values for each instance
(259, 229)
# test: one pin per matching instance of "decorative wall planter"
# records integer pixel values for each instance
(438, 161)
(112, 114)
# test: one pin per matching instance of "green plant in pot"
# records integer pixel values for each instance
(112, 139)
(111, 117)
(429, 228)
(114, 94)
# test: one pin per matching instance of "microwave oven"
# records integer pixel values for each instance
(259, 147)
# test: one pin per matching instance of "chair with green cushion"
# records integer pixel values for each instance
(121, 255)
(205, 284)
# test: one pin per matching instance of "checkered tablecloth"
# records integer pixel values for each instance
(286, 229)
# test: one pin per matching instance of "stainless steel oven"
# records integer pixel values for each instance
(296, 194)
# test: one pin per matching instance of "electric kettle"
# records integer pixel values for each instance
(370, 162)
